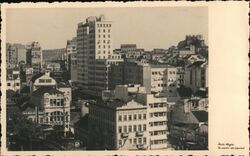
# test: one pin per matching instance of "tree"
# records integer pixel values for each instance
(22, 131)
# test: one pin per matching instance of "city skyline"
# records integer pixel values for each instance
(53, 27)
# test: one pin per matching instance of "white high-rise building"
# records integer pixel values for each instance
(94, 48)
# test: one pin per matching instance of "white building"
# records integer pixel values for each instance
(132, 119)
(94, 46)
(41, 80)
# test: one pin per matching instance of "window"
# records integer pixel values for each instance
(125, 129)
(48, 80)
(120, 118)
(99, 30)
(144, 127)
(135, 128)
(130, 117)
(144, 116)
(103, 36)
(108, 30)
(135, 117)
(139, 140)
(120, 129)
(139, 117)
(17, 84)
(41, 80)
(139, 128)
(103, 41)
(130, 128)
(108, 36)
(125, 117)
(103, 46)
(135, 140)
(144, 140)
(8, 84)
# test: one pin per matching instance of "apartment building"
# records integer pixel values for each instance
(155, 78)
(118, 125)
(94, 48)
(15, 53)
(132, 119)
(34, 56)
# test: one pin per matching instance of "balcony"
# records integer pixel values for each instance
(140, 133)
(124, 135)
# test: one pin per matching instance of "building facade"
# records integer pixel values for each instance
(196, 75)
(71, 55)
(34, 56)
(131, 120)
(94, 49)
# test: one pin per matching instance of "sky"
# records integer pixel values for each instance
(149, 28)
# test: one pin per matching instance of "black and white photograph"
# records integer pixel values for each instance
(107, 78)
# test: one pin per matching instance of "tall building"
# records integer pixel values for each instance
(71, 58)
(21, 52)
(94, 48)
(11, 56)
(15, 53)
(34, 56)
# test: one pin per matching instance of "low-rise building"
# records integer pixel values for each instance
(188, 126)
(49, 106)
(41, 80)
(13, 80)
(132, 119)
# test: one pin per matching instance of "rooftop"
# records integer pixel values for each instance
(201, 116)
(33, 79)
(48, 89)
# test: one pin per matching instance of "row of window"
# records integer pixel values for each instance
(104, 30)
(158, 133)
(134, 117)
(15, 84)
(158, 114)
(103, 25)
(134, 141)
(158, 105)
(99, 52)
(104, 41)
(158, 123)
(156, 142)
(104, 46)
(130, 128)
(45, 80)
(56, 102)
(104, 36)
